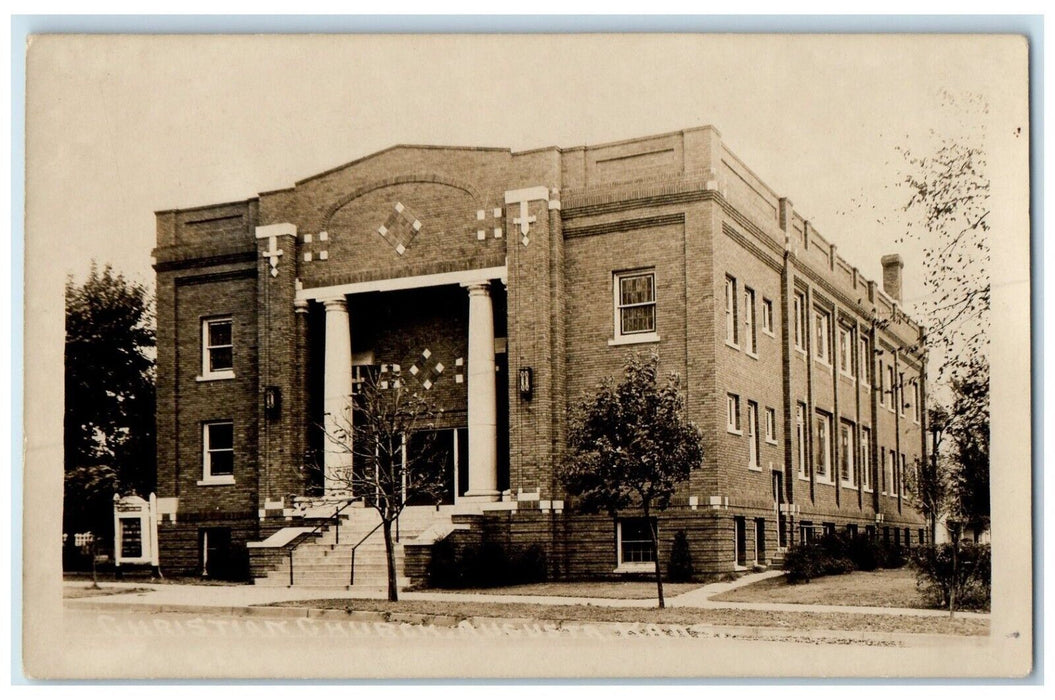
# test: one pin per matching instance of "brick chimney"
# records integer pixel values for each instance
(892, 276)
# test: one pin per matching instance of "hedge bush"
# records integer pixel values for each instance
(484, 566)
(680, 569)
(972, 581)
(836, 553)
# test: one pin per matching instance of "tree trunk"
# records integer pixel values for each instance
(652, 530)
(390, 557)
(955, 570)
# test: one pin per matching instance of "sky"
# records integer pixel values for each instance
(120, 127)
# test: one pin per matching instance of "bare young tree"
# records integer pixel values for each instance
(389, 437)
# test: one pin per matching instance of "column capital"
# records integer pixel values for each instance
(300, 306)
(479, 288)
(339, 303)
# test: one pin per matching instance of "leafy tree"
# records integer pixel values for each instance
(391, 440)
(630, 446)
(932, 482)
(109, 438)
(969, 430)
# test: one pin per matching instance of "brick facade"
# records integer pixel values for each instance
(680, 206)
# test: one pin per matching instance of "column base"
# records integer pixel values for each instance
(481, 496)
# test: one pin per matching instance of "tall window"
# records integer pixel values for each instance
(767, 316)
(846, 453)
(750, 339)
(732, 405)
(732, 331)
(752, 434)
(800, 321)
(771, 425)
(217, 361)
(915, 402)
(864, 361)
(218, 452)
(892, 388)
(888, 476)
(823, 463)
(635, 303)
(846, 350)
(822, 325)
(903, 476)
(901, 393)
(800, 438)
(884, 386)
(865, 460)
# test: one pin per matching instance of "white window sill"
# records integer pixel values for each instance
(635, 567)
(217, 481)
(825, 481)
(771, 442)
(849, 485)
(771, 334)
(752, 355)
(634, 339)
(215, 376)
(823, 363)
(732, 345)
(754, 468)
(804, 477)
(866, 489)
(734, 432)
(801, 351)
(847, 375)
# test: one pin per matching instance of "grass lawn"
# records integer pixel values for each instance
(73, 592)
(790, 622)
(883, 588)
(636, 590)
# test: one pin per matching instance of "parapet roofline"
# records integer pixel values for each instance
(375, 154)
(203, 207)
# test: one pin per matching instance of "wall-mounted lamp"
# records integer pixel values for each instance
(272, 402)
(526, 382)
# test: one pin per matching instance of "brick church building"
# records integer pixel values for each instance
(507, 286)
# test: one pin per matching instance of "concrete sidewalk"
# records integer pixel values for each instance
(174, 596)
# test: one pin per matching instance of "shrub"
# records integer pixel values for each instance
(972, 580)
(486, 565)
(443, 570)
(864, 553)
(680, 569)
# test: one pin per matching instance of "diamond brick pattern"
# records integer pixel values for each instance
(401, 228)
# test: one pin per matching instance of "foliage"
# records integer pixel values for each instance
(486, 565)
(630, 445)
(680, 569)
(970, 579)
(387, 416)
(109, 435)
(835, 554)
(969, 430)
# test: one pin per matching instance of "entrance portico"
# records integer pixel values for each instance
(480, 374)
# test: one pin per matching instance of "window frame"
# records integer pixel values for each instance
(733, 422)
(800, 437)
(771, 425)
(207, 349)
(822, 350)
(847, 447)
(750, 330)
(207, 450)
(864, 361)
(823, 448)
(801, 322)
(632, 566)
(767, 317)
(621, 337)
(754, 445)
(732, 321)
(846, 351)
(865, 458)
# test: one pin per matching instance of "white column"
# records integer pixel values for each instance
(483, 423)
(337, 396)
